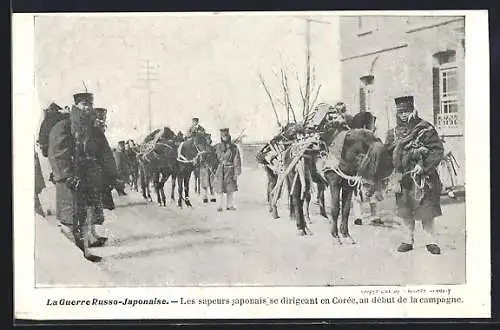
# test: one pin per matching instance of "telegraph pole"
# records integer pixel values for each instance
(149, 73)
(308, 62)
(308, 55)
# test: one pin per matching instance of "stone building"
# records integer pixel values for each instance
(384, 57)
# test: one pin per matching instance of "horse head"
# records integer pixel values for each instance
(376, 165)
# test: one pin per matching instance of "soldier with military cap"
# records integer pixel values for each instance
(195, 128)
(417, 152)
(228, 169)
(121, 164)
(101, 114)
(83, 166)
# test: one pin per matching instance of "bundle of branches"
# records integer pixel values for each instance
(309, 93)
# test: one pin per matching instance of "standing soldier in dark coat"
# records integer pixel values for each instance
(121, 164)
(228, 169)
(132, 164)
(417, 152)
(80, 157)
(101, 114)
(107, 197)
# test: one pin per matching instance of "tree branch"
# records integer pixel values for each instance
(313, 104)
(270, 99)
(287, 93)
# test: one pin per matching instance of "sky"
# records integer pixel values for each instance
(206, 66)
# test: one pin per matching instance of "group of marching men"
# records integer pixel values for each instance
(85, 169)
(417, 150)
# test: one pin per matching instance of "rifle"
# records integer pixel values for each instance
(240, 137)
(81, 227)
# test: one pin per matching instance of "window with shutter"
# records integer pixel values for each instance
(445, 93)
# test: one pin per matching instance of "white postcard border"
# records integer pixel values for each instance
(31, 303)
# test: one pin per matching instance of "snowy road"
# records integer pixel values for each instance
(157, 246)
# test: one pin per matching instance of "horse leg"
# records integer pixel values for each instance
(164, 179)
(148, 190)
(211, 187)
(156, 185)
(145, 185)
(321, 200)
(172, 190)
(179, 189)
(347, 193)
(186, 190)
(307, 203)
(272, 180)
(198, 182)
(298, 209)
(335, 209)
(135, 180)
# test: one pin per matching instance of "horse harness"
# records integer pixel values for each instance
(181, 158)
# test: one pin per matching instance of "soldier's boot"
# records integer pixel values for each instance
(407, 244)
(96, 215)
(230, 204)
(96, 240)
(430, 236)
(85, 245)
(82, 238)
(375, 219)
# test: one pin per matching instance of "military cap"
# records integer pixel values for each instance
(196, 119)
(224, 130)
(404, 103)
(89, 97)
(101, 110)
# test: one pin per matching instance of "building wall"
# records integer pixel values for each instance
(398, 51)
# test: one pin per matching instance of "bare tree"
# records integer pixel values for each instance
(308, 93)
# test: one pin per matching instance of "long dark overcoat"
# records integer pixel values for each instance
(228, 169)
(99, 172)
(417, 143)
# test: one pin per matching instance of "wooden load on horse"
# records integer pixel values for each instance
(319, 125)
(157, 156)
(156, 145)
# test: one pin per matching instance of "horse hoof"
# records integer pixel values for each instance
(205, 200)
(350, 239)
(213, 200)
(309, 232)
(337, 240)
(188, 203)
(301, 232)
